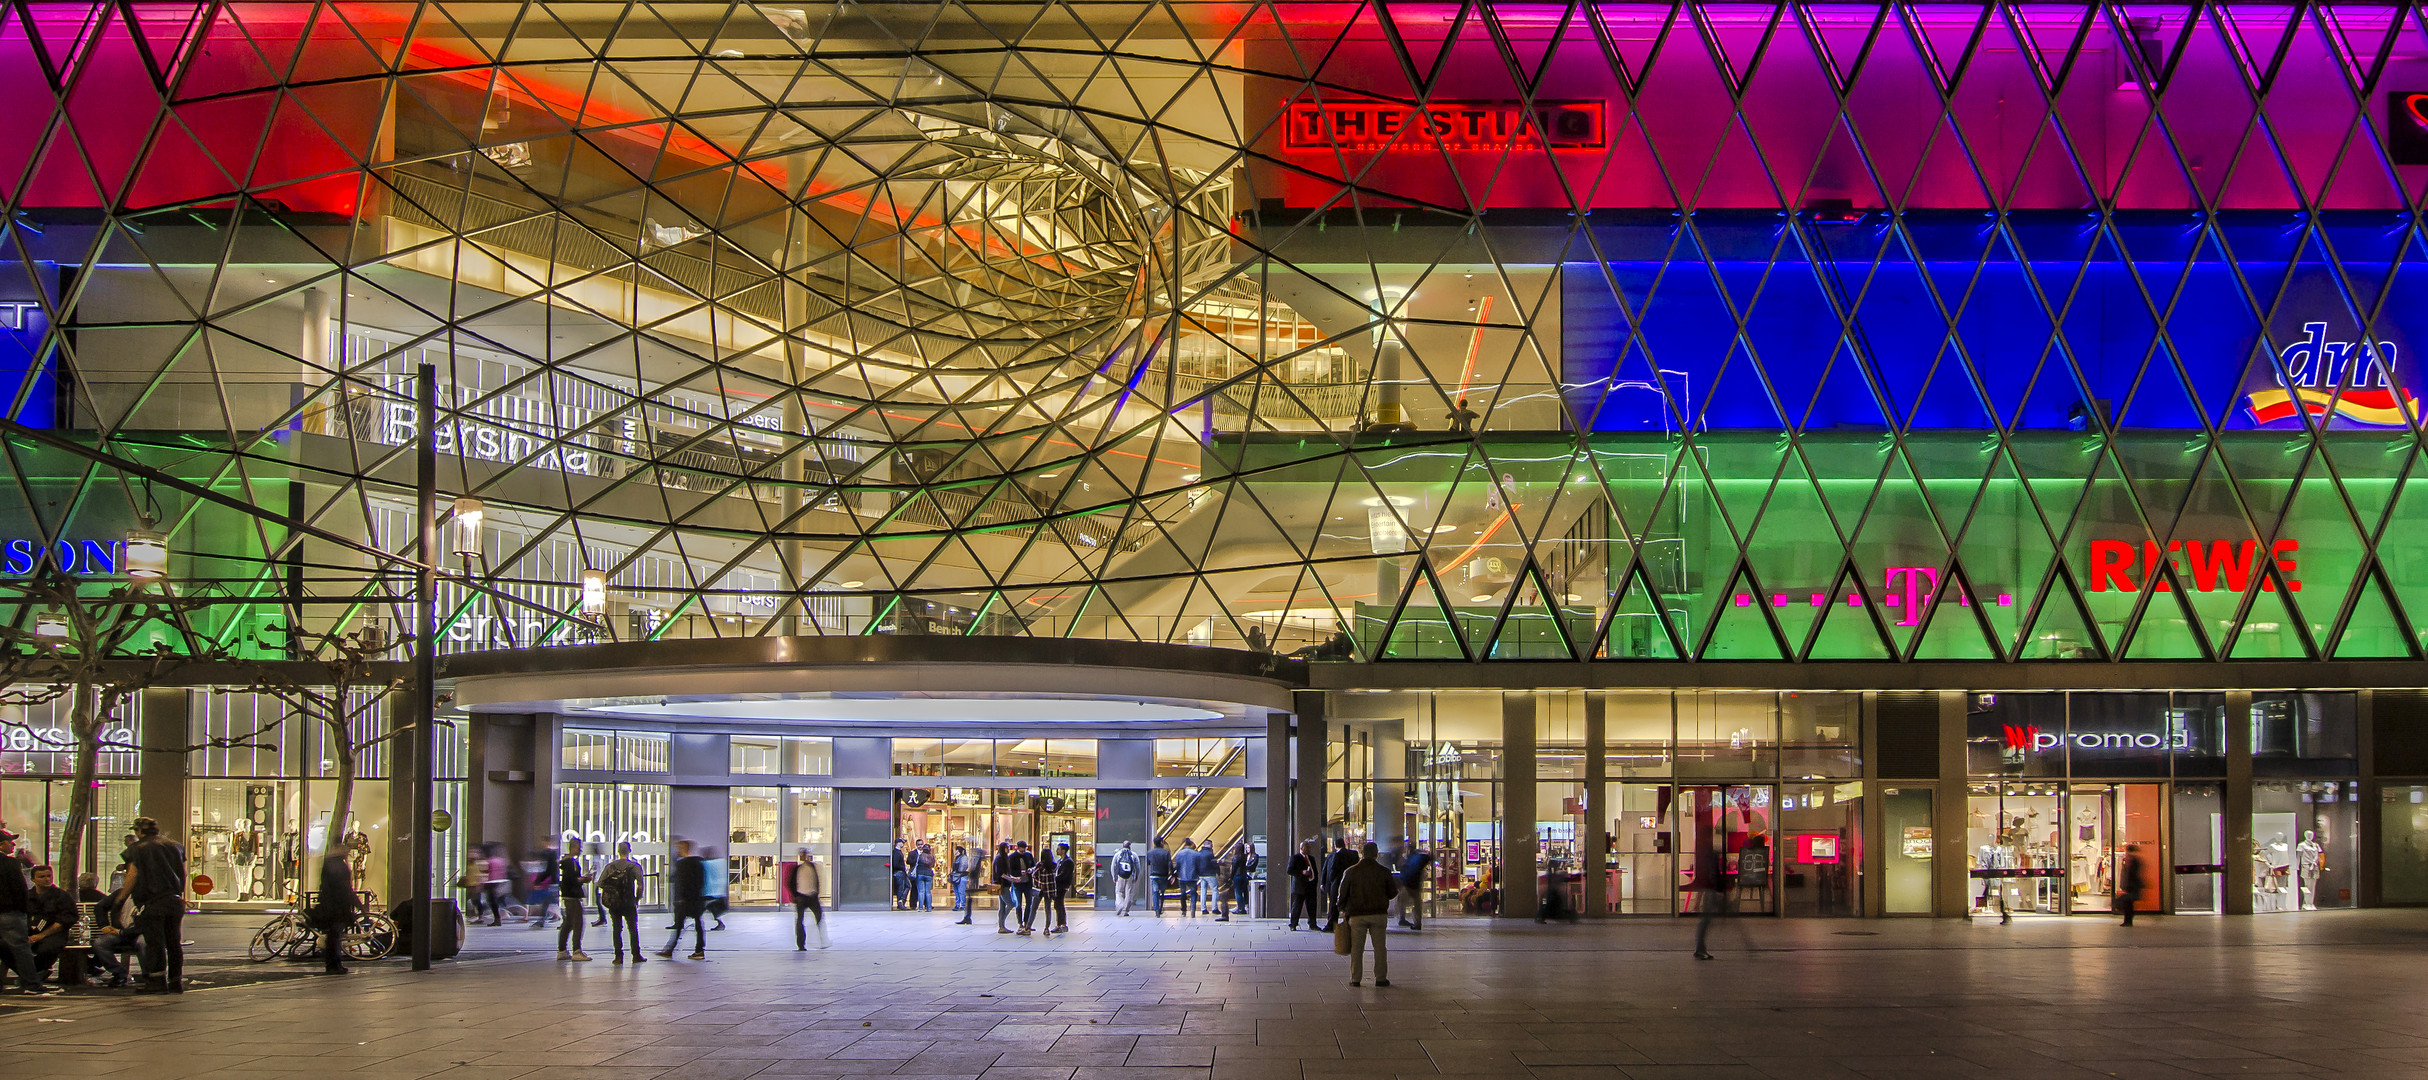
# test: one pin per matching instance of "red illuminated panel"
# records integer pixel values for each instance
(1457, 126)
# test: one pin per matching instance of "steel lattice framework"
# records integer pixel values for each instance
(1454, 331)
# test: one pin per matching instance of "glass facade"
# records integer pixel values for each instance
(2075, 335)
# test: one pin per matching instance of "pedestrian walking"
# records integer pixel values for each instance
(1209, 877)
(155, 877)
(923, 877)
(718, 879)
(474, 882)
(1243, 870)
(572, 885)
(1006, 873)
(807, 886)
(1184, 867)
(1303, 885)
(1126, 872)
(333, 911)
(1055, 888)
(969, 875)
(1159, 872)
(619, 889)
(1339, 863)
(497, 888)
(1040, 884)
(1710, 886)
(1412, 874)
(1365, 901)
(2128, 882)
(902, 881)
(690, 901)
(540, 868)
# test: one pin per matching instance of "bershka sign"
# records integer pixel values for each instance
(2353, 380)
(1458, 126)
(2204, 565)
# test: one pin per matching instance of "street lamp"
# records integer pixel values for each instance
(147, 555)
(468, 514)
(52, 623)
(594, 594)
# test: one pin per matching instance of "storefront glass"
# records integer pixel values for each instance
(1820, 848)
(2198, 853)
(1639, 865)
(2015, 848)
(600, 816)
(1201, 757)
(1907, 830)
(2403, 853)
(757, 817)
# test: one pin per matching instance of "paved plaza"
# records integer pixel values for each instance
(911, 995)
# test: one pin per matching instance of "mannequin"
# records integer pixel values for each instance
(2311, 857)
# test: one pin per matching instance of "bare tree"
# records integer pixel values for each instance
(351, 681)
(91, 653)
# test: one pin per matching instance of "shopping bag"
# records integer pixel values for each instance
(1340, 939)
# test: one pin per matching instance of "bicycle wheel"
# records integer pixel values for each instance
(301, 940)
(371, 937)
(266, 944)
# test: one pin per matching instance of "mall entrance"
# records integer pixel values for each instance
(946, 819)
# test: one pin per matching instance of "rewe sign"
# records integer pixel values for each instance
(2204, 565)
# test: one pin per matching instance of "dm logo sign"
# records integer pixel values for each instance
(2347, 380)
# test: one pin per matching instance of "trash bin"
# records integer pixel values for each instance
(450, 919)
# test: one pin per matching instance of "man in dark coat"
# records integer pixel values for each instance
(690, 899)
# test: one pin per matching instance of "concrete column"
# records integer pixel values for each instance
(497, 793)
(160, 792)
(1308, 789)
(1390, 773)
(1876, 843)
(1279, 828)
(1598, 808)
(2367, 890)
(546, 756)
(1125, 814)
(1948, 804)
(1518, 893)
(403, 831)
(2237, 853)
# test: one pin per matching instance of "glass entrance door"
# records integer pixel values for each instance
(2105, 824)
(1730, 827)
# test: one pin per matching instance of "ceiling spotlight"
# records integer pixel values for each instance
(853, 584)
(1484, 599)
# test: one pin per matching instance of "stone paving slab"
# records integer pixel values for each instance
(909, 995)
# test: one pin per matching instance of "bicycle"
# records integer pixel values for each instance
(371, 936)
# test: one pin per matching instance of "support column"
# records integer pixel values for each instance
(1518, 893)
(1948, 805)
(2367, 889)
(2237, 840)
(1280, 830)
(160, 791)
(1390, 773)
(1876, 842)
(1598, 810)
(1308, 789)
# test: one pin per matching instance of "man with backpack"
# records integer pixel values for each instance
(619, 894)
(1125, 879)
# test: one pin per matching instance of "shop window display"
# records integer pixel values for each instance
(1638, 866)
(244, 836)
(2303, 838)
(2015, 849)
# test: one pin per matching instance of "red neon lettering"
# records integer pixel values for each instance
(2282, 552)
(2149, 567)
(2110, 560)
(2222, 558)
